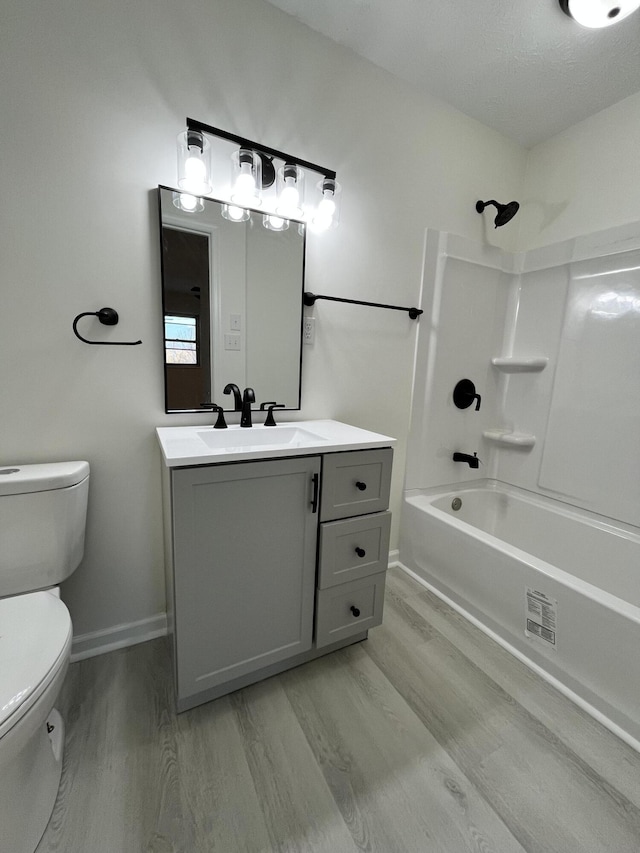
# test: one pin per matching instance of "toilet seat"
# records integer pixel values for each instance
(35, 640)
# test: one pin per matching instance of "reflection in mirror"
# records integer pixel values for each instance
(232, 305)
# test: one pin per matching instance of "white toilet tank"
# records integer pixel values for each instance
(43, 510)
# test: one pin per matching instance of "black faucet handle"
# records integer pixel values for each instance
(263, 406)
(270, 420)
(220, 423)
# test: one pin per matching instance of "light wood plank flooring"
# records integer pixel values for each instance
(428, 737)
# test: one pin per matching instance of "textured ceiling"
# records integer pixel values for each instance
(520, 66)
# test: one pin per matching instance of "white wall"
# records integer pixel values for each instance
(93, 96)
(583, 180)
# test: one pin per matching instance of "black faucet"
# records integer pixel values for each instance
(472, 461)
(237, 399)
(248, 397)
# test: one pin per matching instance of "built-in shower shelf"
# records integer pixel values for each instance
(510, 439)
(512, 364)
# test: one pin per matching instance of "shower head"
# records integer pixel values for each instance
(505, 213)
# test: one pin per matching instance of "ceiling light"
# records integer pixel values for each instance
(598, 13)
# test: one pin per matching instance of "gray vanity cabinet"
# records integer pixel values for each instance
(244, 554)
(249, 592)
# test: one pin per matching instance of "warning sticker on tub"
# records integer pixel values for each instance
(541, 616)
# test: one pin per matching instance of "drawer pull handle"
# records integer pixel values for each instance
(360, 552)
(360, 485)
(355, 611)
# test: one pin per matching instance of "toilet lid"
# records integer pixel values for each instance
(35, 637)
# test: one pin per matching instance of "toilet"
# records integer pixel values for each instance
(43, 511)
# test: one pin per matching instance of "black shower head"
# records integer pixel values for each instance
(505, 213)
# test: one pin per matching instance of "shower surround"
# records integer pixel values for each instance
(551, 339)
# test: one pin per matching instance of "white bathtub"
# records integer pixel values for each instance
(558, 587)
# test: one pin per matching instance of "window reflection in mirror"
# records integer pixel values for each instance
(232, 306)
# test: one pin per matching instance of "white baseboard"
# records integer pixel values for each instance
(131, 633)
(118, 637)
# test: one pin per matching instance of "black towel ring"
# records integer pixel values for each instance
(108, 317)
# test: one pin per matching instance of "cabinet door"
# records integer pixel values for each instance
(244, 553)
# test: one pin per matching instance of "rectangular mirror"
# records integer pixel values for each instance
(232, 305)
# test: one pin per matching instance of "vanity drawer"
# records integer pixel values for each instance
(353, 548)
(348, 609)
(355, 483)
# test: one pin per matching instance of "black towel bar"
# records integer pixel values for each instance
(310, 298)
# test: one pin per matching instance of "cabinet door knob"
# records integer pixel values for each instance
(355, 611)
(361, 486)
(360, 552)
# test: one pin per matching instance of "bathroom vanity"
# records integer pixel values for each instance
(277, 543)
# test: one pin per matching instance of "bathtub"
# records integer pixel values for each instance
(558, 587)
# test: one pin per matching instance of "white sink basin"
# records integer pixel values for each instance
(198, 445)
(257, 437)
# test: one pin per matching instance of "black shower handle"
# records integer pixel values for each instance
(465, 393)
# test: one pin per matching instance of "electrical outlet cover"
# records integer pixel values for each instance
(308, 330)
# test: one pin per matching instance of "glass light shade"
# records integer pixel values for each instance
(327, 213)
(234, 213)
(246, 178)
(272, 222)
(290, 189)
(188, 203)
(194, 163)
(599, 13)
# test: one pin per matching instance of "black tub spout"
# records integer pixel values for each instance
(472, 461)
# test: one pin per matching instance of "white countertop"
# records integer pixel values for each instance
(203, 445)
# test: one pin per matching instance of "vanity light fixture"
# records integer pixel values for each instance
(194, 163)
(246, 181)
(598, 13)
(234, 213)
(188, 203)
(290, 191)
(272, 222)
(255, 170)
(327, 213)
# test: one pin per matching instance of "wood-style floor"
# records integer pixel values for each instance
(428, 737)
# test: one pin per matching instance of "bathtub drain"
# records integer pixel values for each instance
(456, 503)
